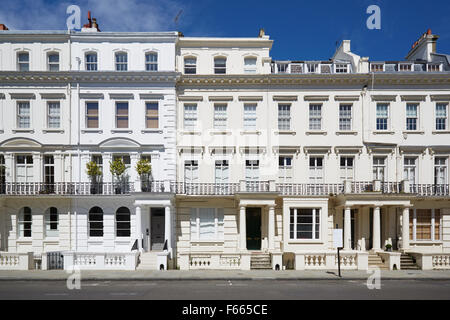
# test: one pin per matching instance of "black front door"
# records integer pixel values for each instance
(253, 226)
(157, 228)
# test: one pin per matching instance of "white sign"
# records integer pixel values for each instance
(337, 238)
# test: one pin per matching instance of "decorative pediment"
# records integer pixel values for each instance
(21, 143)
(119, 143)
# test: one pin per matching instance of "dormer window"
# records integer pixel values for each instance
(23, 61)
(377, 67)
(405, 67)
(282, 67)
(341, 68)
(151, 61)
(53, 61)
(250, 65)
(312, 67)
(91, 61)
(190, 65)
(433, 68)
(121, 61)
(220, 65)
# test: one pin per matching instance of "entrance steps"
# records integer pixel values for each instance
(260, 261)
(148, 261)
(375, 262)
(407, 262)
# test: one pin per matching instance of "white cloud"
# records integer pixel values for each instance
(112, 15)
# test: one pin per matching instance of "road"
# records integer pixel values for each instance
(224, 290)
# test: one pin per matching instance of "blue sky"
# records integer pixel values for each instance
(301, 29)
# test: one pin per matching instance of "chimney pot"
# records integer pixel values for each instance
(3, 27)
(429, 32)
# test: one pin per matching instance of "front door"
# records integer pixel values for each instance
(157, 228)
(253, 226)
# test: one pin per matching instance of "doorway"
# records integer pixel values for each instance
(253, 228)
(157, 223)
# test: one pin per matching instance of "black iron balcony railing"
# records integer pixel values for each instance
(66, 188)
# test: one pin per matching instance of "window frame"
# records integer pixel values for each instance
(435, 227)
(250, 68)
(316, 178)
(117, 116)
(220, 116)
(117, 222)
(346, 168)
(250, 117)
(218, 68)
(150, 117)
(312, 116)
(440, 167)
(285, 168)
(87, 116)
(190, 109)
(19, 62)
(90, 64)
(284, 116)
(49, 116)
(196, 225)
(48, 223)
(417, 124)
(445, 121)
(386, 118)
(191, 67)
(100, 222)
(151, 65)
(121, 65)
(27, 224)
(19, 116)
(349, 117)
(50, 64)
(379, 166)
(409, 168)
(26, 165)
(315, 225)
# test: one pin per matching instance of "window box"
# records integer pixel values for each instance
(383, 132)
(285, 132)
(92, 131)
(324, 133)
(151, 131)
(121, 131)
(246, 132)
(413, 132)
(220, 132)
(22, 130)
(342, 133)
(52, 130)
(441, 132)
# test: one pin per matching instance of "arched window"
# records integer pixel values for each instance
(151, 61)
(220, 65)
(190, 65)
(123, 224)
(121, 61)
(53, 61)
(91, 61)
(51, 222)
(25, 222)
(95, 222)
(23, 61)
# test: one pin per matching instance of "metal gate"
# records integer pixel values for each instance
(55, 260)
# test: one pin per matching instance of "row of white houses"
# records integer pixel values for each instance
(254, 162)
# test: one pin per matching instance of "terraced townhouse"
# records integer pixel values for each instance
(254, 161)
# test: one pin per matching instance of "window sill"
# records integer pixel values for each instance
(19, 130)
(305, 241)
(51, 239)
(285, 132)
(426, 242)
(191, 132)
(249, 132)
(92, 131)
(98, 240)
(220, 132)
(123, 240)
(121, 131)
(151, 131)
(52, 130)
(343, 133)
(441, 132)
(319, 132)
(413, 132)
(24, 240)
(383, 132)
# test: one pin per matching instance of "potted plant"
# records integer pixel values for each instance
(388, 247)
(117, 168)
(94, 173)
(144, 169)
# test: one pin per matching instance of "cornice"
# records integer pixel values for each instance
(356, 79)
(87, 76)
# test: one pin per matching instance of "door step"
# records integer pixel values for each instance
(260, 261)
(375, 262)
(407, 263)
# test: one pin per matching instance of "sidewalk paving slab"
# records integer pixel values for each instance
(154, 275)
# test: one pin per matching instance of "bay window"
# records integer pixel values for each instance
(207, 223)
(425, 225)
(304, 224)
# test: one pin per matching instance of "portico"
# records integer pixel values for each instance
(374, 223)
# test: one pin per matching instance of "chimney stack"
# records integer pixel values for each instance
(3, 27)
(261, 33)
(92, 25)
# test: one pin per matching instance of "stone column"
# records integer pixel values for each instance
(405, 228)
(242, 229)
(271, 225)
(168, 229)
(347, 229)
(139, 227)
(376, 233)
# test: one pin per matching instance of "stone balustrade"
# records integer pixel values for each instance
(16, 261)
(100, 261)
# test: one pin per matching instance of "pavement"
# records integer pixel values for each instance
(152, 275)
